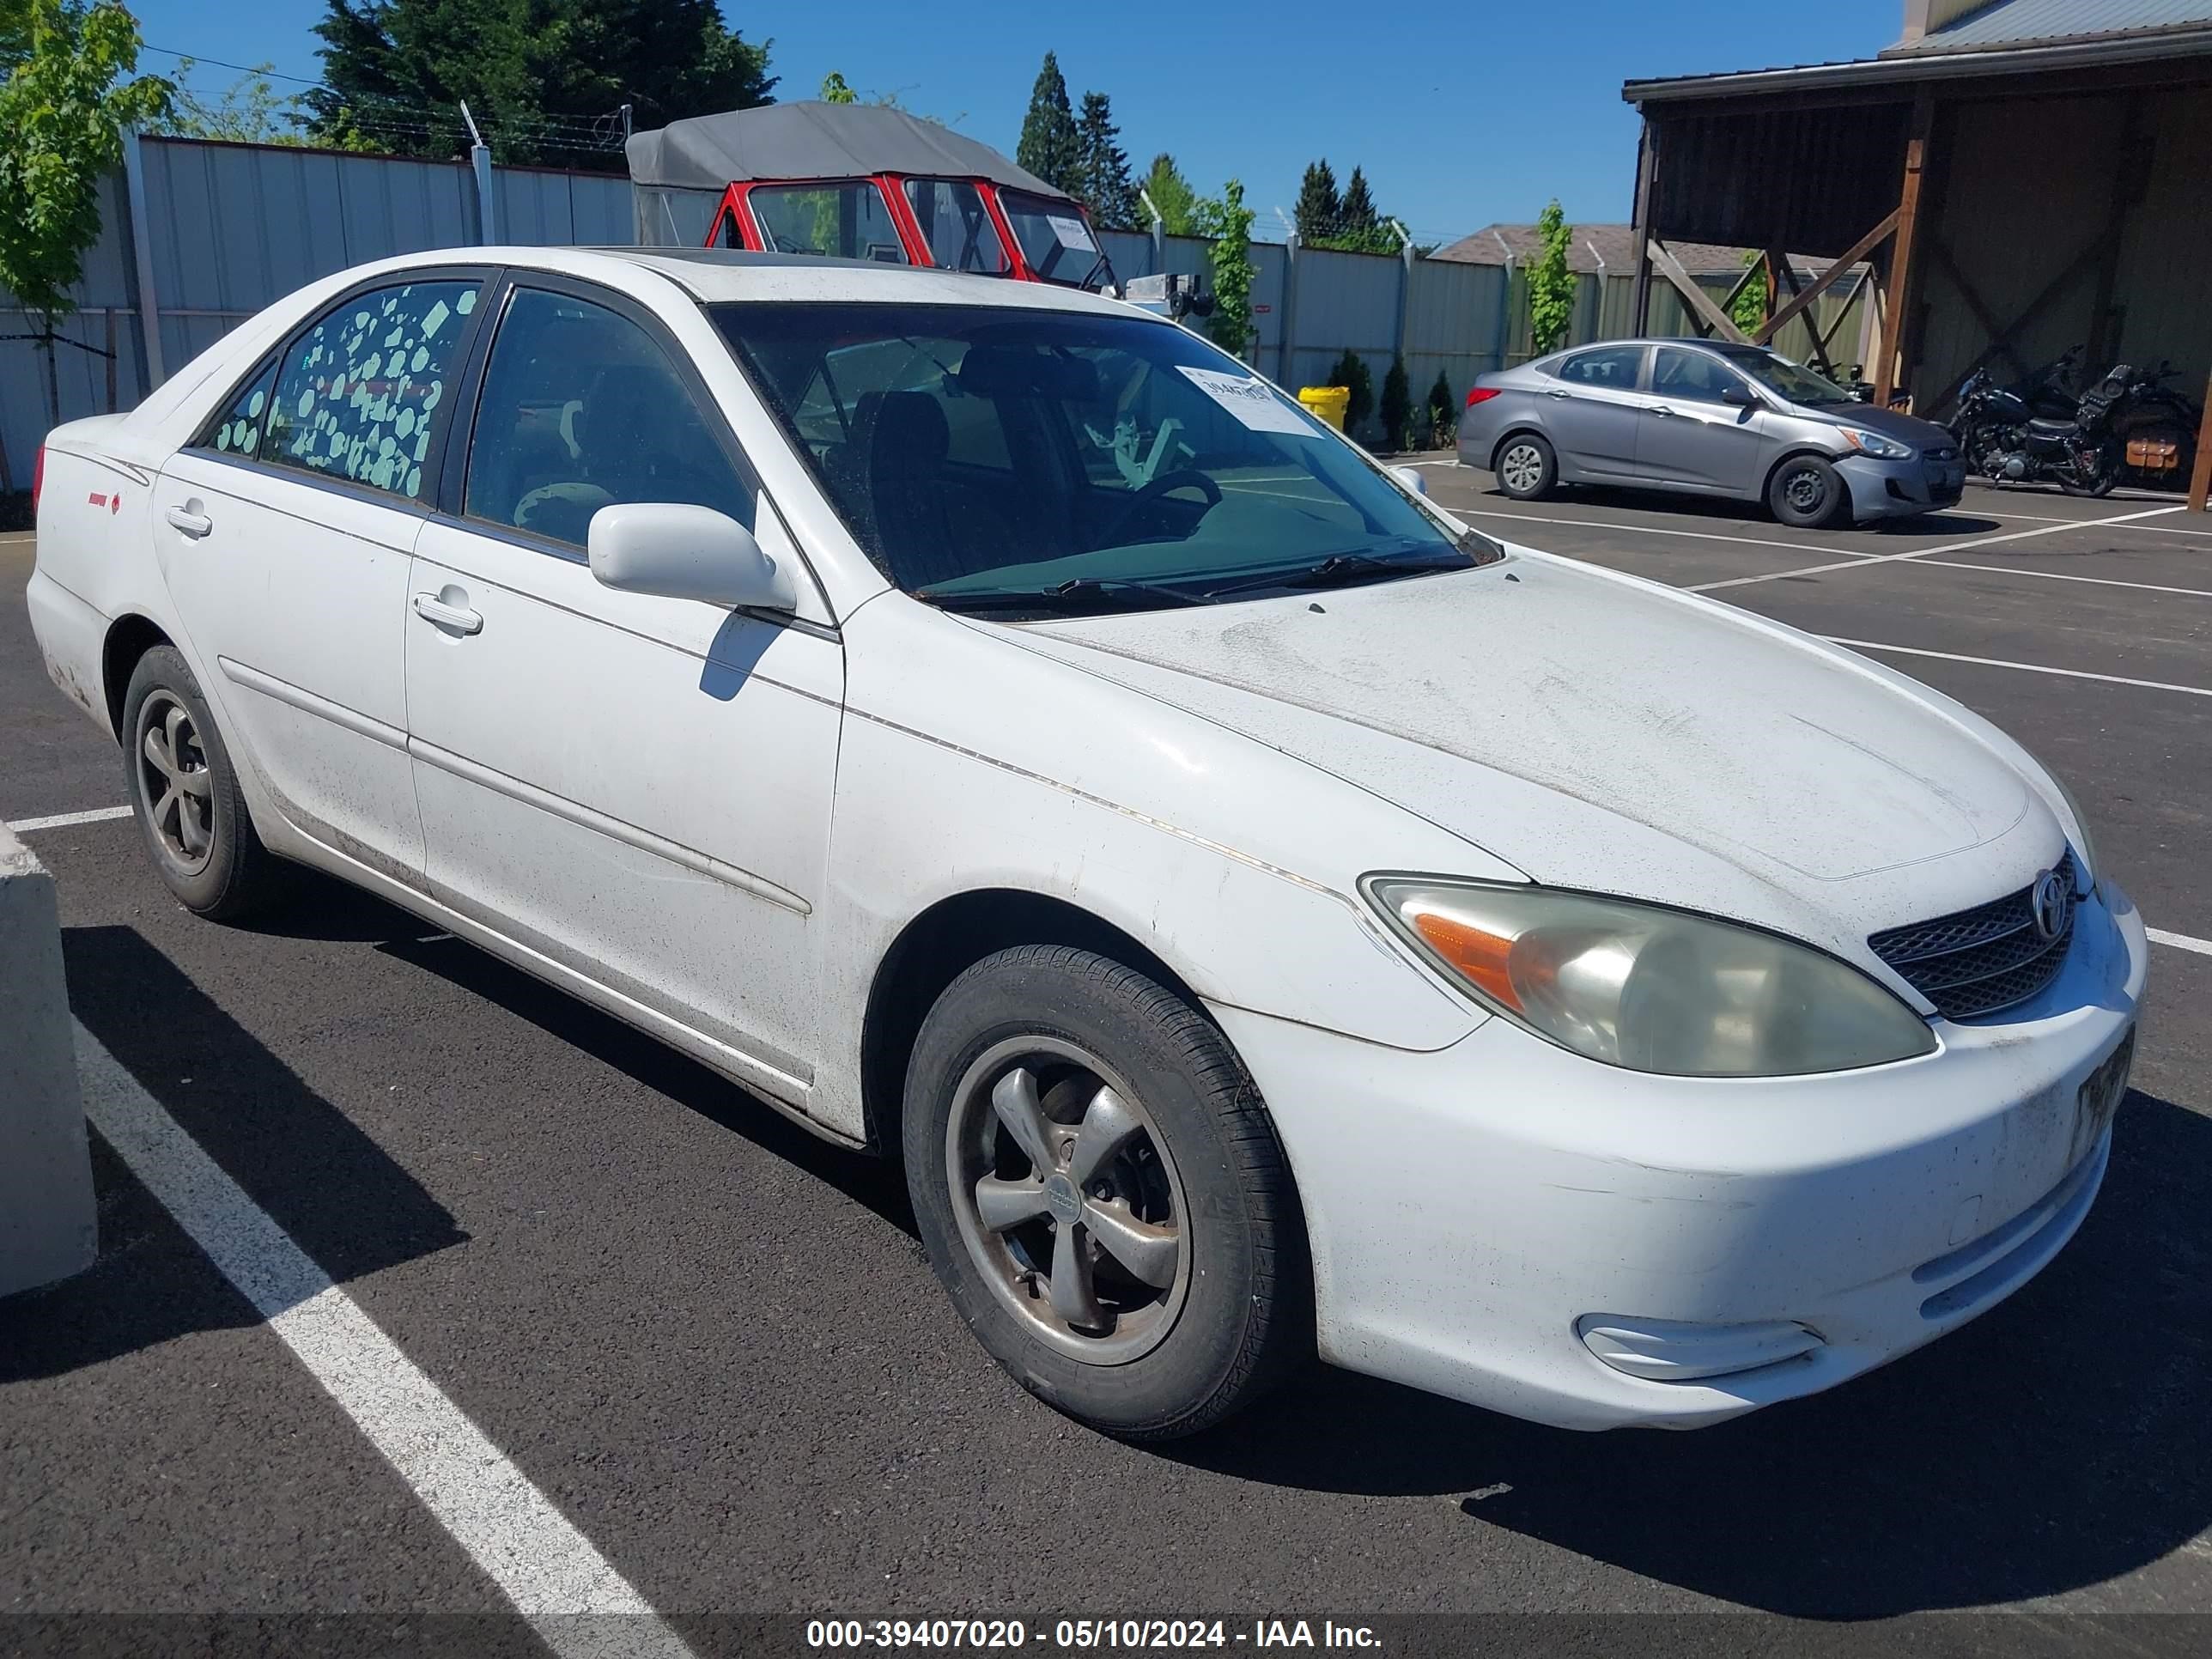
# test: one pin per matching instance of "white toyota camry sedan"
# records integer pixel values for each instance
(1266, 917)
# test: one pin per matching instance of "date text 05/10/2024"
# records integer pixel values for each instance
(1085, 1635)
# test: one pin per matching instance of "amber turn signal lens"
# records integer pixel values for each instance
(1479, 956)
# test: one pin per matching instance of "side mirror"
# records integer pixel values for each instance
(1411, 477)
(1739, 396)
(679, 552)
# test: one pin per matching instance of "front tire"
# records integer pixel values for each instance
(184, 795)
(1527, 468)
(1805, 493)
(1102, 1194)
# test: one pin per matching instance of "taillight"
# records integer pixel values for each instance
(1480, 394)
(37, 477)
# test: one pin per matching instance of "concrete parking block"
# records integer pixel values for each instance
(49, 1226)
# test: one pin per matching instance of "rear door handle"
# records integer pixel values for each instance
(1555, 392)
(1662, 409)
(458, 617)
(194, 524)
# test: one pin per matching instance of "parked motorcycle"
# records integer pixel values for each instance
(2003, 438)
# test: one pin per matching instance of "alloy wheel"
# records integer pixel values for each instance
(1521, 467)
(1068, 1200)
(175, 787)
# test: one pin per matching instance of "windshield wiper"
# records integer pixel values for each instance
(1086, 592)
(1343, 570)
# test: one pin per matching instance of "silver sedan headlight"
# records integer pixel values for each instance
(1878, 444)
(1649, 989)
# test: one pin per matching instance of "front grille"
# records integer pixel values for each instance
(1976, 961)
(1940, 453)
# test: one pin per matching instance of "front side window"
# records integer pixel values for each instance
(956, 226)
(1034, 462)
(1054, 237)
(1793, 382)
(847, 220)
(355, 396)
(1691, 376)
(582, 409)
(1615, 367)
(239, 429)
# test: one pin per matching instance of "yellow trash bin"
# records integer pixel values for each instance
(1326, 403)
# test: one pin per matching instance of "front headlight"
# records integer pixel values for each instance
(1878, 445)
(1649, 989)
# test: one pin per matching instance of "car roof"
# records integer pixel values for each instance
(734, 275)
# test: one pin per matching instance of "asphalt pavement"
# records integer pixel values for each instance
(713, 1344)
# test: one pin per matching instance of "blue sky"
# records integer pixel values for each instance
(1462, 113)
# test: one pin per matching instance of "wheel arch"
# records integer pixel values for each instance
(1796, 451)
(1522, 429)
(130, 637)
(942, 942)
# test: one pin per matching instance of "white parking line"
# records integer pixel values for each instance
(2202, 947)
(1654, 530)
(577, 1602)
(2064, 576)
(2025, 667)
(65, 820)
(1863, 561)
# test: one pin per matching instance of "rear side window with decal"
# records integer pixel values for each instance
(355, 394)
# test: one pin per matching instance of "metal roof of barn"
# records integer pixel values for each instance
(815, 141)
(2009, 23)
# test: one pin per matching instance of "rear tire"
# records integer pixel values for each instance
(184, 795)
(1805, 493)
(1056, 1102)
(1526, 467)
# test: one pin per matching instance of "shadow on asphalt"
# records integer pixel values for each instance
(1951, 523)
(299, 1158)
(2061, 1440)
(874, 1182)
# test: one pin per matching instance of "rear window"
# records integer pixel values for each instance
(956, 226)
(845, 220)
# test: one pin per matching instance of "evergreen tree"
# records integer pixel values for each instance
(1173, 195)
(545, 79)
(1319, 210)
(1397, 405)
(1352, 374)
(1443, 414)
(1360, 226)
(1051, 147)
(1107, 190)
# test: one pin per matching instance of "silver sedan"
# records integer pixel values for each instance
(1707, 419)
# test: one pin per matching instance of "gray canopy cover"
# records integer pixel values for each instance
(813, 141)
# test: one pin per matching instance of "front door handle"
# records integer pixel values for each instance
(194, 524)
(433, 608)
(1554, 391)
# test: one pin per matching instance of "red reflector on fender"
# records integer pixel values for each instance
(1479, 394)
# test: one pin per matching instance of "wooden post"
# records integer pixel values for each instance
(1895, 326)
(1647, 168)
(2200, 483)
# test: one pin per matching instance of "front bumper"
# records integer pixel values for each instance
(1891, 489)
(1470, 1209)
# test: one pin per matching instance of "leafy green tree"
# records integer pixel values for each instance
(1444, 413)
(1397, 406)
(250, 111)
(1180, 207)
(1552, 282)
(835, 91)
(1320, 211)
(545, 79)
(1748, 313)
(1229, 222)
(1107, 190)
(1050, 147)
(68, 87)
(1351, 374)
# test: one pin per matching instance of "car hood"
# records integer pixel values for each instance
(1905, 429)
(1587, 727)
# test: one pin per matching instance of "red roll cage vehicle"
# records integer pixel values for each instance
(858, 181)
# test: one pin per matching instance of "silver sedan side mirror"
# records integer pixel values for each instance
(1411, 477)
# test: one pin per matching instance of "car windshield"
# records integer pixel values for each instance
(1019, 461)
(1792, 382)
(1054, 237)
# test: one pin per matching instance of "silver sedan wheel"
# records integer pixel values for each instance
(175, 787)
(1522, 466)
(1806, 490)
(1068, 1200)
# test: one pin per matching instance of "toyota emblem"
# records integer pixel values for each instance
(2049, 899)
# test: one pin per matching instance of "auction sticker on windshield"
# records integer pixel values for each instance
(1072, 232)
(1253, 402)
